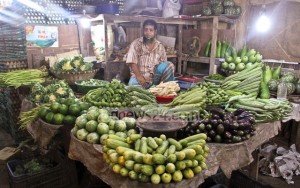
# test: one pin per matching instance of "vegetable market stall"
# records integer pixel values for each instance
(228, 157)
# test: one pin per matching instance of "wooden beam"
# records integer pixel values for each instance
(160, 20)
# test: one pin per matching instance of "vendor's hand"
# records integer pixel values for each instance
(142, 81)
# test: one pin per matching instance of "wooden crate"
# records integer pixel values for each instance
(8, 66)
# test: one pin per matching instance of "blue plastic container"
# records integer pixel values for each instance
(107, 9)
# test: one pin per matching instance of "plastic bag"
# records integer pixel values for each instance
(171, 8)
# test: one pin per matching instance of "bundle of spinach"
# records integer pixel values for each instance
(33, 166)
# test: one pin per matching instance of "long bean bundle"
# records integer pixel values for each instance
(26, 118)
(22, 77)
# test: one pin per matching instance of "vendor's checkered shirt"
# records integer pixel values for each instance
(146, 60)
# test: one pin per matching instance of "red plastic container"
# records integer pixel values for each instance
(164, 99)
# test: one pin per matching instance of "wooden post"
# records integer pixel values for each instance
(213, 44)
(179, 53)
(253, 167)
(107, 67)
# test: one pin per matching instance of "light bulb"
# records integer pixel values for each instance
(85, 22)
(263, 23)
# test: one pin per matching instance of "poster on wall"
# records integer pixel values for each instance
(41, 36)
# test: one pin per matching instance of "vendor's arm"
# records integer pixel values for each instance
(134, 68)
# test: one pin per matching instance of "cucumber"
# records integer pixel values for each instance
(175, 143)
(151, 142)
(171, 149)
(137, 145)
(143, 148)
(193, 138)
(161, 149)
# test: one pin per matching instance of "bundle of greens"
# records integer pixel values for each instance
(22, 78)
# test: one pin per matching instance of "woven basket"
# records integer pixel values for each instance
(72, 77)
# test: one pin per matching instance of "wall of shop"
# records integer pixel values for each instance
(68, 40)
(282, 41)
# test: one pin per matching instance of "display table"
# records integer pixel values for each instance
(228, 157)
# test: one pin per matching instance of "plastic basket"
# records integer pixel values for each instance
(86, 88)
(49, 178)
(72, 77)
(164, 99)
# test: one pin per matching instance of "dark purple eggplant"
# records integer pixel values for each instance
(244, 114)
(206, 121)
(243, 138)
(247, 131)
(214, 122)
(238, 111)
(208, 139)
(218, 111)
(201, 126)
(234, 125)
(226, 122)
(231, 114)
(208, 127)
(244, 125)
(216, 116)
(236, 139)
(251, 119)
(241, 133)
(212, 133)
(194, 125)
(218, 139)
(220, 129)
(234, 131)
(227, 135)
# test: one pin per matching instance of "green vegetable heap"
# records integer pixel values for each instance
(54, 91)
(75, 64)
(115, 95)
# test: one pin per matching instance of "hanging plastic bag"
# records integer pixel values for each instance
(171, 8)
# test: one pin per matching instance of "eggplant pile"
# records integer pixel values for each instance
(224, 127)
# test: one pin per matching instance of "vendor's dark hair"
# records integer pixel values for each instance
(150, 22)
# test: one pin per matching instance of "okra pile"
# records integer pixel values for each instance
(215, 94)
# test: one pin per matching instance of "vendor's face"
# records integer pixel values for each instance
(149, 33)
